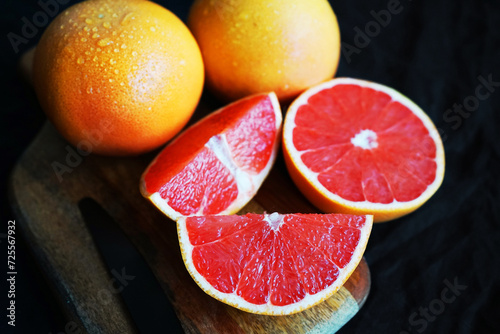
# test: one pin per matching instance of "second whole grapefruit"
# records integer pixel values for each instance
(255, 46)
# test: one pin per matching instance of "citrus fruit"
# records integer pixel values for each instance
(253, 46)
(272, 263)
(217, 165)
(118, 77)
(354, 146)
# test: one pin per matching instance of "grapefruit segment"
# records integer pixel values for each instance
(217, 165)
(358, 147)
(273, 264)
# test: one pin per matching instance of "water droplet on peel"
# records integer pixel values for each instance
(104, 42)
(106, 25)
(100, 16)
(95, 58)
(88, 21)
(62, 26)
(87, 53)
(116, 50)
(95, 35)
(83, 39)
(134, 53)
(122, 35)
(112, 61)
(123, 46)
(98, 49)
(94, 29)
(153, 29)
(89, 90)
(122, 84)
(114, 15)
(126, 19)
(110, 80)
(114, 33)
(183, 62)
(130, 36)
(117, 71)
(80, 60)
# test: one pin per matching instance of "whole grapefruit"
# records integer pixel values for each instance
(254, 46)
(118, 77)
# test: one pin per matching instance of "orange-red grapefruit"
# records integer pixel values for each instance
(271, 263)
(354, 146)
(217, 165)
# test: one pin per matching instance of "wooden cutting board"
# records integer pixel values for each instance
(45, 204)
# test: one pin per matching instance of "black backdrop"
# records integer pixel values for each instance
(434, 271)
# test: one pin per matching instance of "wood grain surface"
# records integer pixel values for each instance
(45, 204)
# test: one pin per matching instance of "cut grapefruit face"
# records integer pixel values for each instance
(217, 165)
(353, 146)
(273, 264)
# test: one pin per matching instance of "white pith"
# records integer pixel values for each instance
(275, 220)
(365, 139)
(312, 177)
(269, 309)
(248, 183)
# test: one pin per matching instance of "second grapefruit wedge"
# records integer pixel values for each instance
(274, 264)
(217, 165)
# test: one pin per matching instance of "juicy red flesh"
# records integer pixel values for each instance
(190, 176)
(245, 256)
(399, 168)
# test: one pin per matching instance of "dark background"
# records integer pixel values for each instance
(438, 53)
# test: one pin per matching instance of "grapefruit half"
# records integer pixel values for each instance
(353, 146)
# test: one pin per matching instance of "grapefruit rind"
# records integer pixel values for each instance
(248, 183)
(307, 180)
(238, 302)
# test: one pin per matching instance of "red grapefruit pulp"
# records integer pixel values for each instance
(271, 263)
(358, 147)
(217, 165)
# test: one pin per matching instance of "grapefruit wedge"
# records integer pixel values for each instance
(273, 264)
(217, 165)
(353, 146)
